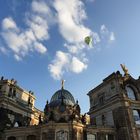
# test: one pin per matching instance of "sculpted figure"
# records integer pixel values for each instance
(124, 69)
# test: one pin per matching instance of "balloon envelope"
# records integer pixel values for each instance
(88, 40)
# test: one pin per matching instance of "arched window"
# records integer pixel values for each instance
(130, 93)
(136, 116)
(11, 138)
(62, 135)
(91, 137)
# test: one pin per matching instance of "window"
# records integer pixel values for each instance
(101, 100)
(106, 137)
(93, 121)
(62, 135)
(91, 137)
(0, 87)
(112, 85)
(91, 101)
(14, 93)
(10, 92)
(130, 93)
(136, 116)
(17, 95)
(103, 120)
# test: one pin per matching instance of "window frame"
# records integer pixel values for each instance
(91, 138)
(60, 136)
(101, 99)
(131, 94)
(137, 122)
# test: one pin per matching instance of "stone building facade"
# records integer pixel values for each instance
(48, 131)
(115, 108)
(16, 106)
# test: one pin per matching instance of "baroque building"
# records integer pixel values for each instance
(114, 112)
(16, 106)
(115, 108)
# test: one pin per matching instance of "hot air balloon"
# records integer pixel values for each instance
(88, 40)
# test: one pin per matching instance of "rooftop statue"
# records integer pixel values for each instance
(124, 69)
(62, 83)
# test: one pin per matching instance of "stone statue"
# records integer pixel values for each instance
(83, 119)
(51, 117)
(46, 109)
(40, 119)
(62, 84)
(124, 69)
(77, 109)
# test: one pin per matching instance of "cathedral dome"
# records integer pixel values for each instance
(62, 107)
(60, 96)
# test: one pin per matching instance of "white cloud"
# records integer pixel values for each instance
(42, 10)
(65, 62)
(77, 66)
(18, 58)
(40, 48)
(29, 36)
(96, 38)
(14, 41)
(112, 36)
(59, 64)
(106, 34)
(70, 16)
(9, 23)
(3, 50)
(104, 29)
(72, 48)
(39, 27)
(90, 0)
(22, 41)
(75, 48)
(40, 7)
(39, 31)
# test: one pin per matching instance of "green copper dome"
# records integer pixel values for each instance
(62, 96)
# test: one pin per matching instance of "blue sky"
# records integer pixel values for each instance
(42, 42)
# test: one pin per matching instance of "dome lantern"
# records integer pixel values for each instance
(62, 84)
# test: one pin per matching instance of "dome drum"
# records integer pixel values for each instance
(62, 107)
